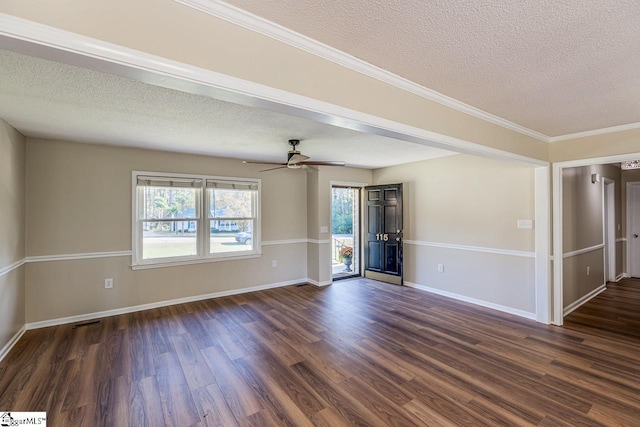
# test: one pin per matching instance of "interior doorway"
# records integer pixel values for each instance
(633, 228)
(345, 232)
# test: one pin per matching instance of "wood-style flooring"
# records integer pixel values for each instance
(355, 353)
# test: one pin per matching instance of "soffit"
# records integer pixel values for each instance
(47, 99)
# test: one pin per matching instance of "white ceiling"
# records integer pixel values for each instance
(556, 67)
(51, 100)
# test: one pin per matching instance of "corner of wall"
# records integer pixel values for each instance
(12, 244)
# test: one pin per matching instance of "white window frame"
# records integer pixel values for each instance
(202, 223)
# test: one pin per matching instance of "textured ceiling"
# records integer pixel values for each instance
(556, 67)
(47, 99)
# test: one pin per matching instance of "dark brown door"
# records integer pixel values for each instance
(383, 237)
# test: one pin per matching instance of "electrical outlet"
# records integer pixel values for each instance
(108, 283)
(274, 263)
(440, 268)
(588, 271)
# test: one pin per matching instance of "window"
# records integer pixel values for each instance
(185, 218)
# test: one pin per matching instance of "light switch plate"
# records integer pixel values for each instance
(525, 224)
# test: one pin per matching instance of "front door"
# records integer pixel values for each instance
(383, 239)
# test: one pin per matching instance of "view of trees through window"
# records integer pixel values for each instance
(170, 217)
(342, 211)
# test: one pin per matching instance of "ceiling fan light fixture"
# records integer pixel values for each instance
(294, 166)
(630, 164)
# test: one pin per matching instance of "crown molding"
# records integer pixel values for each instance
(32, 38)
(595, 132)
(275, 31)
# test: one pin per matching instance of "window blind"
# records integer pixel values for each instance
(232, 185)
(158, 181)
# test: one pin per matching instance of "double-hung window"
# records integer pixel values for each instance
(186, 218)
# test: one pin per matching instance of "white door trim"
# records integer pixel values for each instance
(542, 245)
(630, 237)
(360, 186)
(609, 228)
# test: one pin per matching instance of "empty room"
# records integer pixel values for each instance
(319, 214)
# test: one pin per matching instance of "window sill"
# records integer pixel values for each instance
(193, 261)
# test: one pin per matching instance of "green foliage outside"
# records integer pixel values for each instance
(342, 211)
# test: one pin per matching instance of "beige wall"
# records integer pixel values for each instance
(79, 201)
(241, 53)
(468, 201)
(610, 144)
(12, 231)
(582, 228)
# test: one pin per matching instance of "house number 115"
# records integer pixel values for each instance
(381, 236)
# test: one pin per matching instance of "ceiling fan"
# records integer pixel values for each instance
(295, 160)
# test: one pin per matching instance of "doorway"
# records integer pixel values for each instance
(633, 228)
(345, 232)
(383, 239)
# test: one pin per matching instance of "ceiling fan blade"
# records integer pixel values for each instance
(272, 169)
(249, 162)
(297, 158)
(324, 163)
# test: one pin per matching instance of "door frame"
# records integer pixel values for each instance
(355, 185)
(384, 275)
(629, 236)
(558, 315)
(609, 228)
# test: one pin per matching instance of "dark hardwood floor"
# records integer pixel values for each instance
(355, 353)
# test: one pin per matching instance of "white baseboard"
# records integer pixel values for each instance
(316, 283)
(521, 313)
(621, 276)
(574, 305)
(134, 308)
(8, 346)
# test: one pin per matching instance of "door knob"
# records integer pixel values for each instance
(635, 236)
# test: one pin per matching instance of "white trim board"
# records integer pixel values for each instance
(505, 309)
(68, 257)
(165, 303)
(583, 251)
(90, 255)
(574, 305)
(595, 132)
(40, 40)
(9, 345)
(319, 284)
(9, 268)
(319, 242)
(284, 242)
(510, 252)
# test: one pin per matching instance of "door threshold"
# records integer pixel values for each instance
(345, 276)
